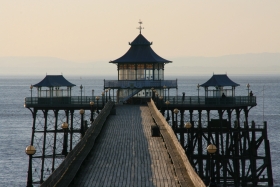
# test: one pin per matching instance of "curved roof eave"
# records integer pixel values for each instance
(140, 51)
(140, 54)
(219, 81)
(54, 81)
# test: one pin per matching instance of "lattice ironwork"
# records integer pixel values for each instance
(243, 153)
(48, 138)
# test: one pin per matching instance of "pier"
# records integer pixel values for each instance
(141, 135)
(123, 151)
(126, 154)
(125, 140)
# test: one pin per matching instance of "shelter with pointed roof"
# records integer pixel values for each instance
(55, 84)
(139, 69)
(140, 62)
(54, 81)
(219, 82)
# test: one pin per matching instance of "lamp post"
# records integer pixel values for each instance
(160, 103)
(211, 149)
(97, 98)
(168, 94)
(30, 150)
(167, 103)
(188, 125)
(175, 125)
(81, 87)
(92, 93)
(198, 91)
(113, 95)
(91, 111)
(152, 89)
(65, 138)
(82, 130)
(103, 98)
(248, 88)
(164, 87)
(109, 94)
(31, 87)
(156, 95)
(106, 95)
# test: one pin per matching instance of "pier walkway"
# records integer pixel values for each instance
(125, 153)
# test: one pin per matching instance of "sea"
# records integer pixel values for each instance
(16, 121)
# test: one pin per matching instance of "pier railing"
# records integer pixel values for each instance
(115, 84)
(201, 100)
(183, 169)
(174, 100)
(68, 169)
(65, 101)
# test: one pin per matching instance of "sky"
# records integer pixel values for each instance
(99, 31)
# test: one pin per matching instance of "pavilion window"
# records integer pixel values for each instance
(160, 74)
(140, 72)
(131, 72)
(161, 71)
(125, 75)
(156, 74)
(149, 72)
(121, 72)
(121, 76)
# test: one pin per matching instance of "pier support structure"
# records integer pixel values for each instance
(243, 152)
(51, 140)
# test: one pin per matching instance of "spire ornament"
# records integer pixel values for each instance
(140, 27)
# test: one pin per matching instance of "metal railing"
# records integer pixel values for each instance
(195, 100)
(187, 100)
(140, 83)
(64, 101)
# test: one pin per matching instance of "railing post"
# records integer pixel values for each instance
(103, 98)
(106, 95)
(65, 138)
(97, 98)
(167, 118)
(31, 87)
(82, 131)
(81, 87)
(182, 135)
(91, 111)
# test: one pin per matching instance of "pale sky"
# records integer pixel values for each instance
(92, 30)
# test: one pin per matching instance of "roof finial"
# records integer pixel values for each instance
(140, 27)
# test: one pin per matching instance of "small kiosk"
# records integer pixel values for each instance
(219, 94)
(58, 90)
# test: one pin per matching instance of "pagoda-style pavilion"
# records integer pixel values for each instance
(139, 70)
(219, 82)
(58, 90)
(54, 84)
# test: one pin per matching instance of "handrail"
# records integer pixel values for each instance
(191, 179)
(140, 83)
(130, 95)
(68, 169)
(214, 101)
(64, 101)
(187, 100)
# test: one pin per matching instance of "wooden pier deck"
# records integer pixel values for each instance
(125, 153)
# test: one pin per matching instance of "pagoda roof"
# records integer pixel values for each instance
(54, 81)
(219, 81)
(140, 51)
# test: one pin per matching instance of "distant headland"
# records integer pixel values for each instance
(235, 64)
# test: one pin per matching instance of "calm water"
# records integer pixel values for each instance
(16, 121)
